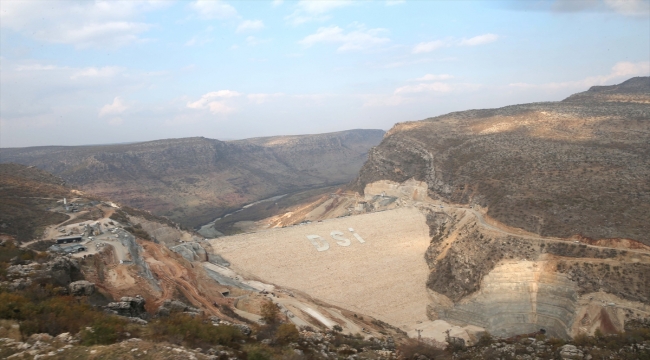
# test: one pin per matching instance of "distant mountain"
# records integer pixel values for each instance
(575, 167)
(194, 180)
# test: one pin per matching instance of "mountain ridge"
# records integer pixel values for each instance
(564, 168)
(194, 180)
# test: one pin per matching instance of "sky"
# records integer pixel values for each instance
(99, 72)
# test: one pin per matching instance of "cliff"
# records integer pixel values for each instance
(578, 166)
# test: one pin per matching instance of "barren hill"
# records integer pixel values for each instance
(194, 180)
(576, 167)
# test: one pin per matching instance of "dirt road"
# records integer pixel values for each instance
(522, 234)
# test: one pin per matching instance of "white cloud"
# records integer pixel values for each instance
(117, 107)
(425, 47)
(215, 102)
(93, 72)
(394, 2)
(620, 71)
(310, 10)
(438, 87)
(354, 40)
(214, 9)
(262, 98)
(277, 3)
(82, 24)
(630, 7)
(321, 7)
(250, 25)
(432, 77)
(479, 40)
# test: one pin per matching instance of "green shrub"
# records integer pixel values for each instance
(37, 310)
(258, 353)
(194, 332)
(104, 331)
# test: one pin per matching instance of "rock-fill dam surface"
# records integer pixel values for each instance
(370, 263)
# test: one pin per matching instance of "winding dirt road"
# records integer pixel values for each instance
(482, 222)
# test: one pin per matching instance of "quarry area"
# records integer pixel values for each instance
(477, 274)
(391, 261)
(426, 250)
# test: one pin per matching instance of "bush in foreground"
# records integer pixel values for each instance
(194, 332)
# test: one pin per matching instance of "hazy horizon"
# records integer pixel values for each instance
(74, 73)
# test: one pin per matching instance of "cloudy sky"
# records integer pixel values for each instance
(105, 72)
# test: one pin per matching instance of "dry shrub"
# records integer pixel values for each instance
(287, 333)
(411, 349)
(270, 312)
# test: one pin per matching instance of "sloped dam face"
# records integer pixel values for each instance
(517, 297)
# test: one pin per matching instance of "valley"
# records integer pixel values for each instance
(463, 231)
(196, 180)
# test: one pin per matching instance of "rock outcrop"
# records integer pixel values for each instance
(59, 271)
(132, 307)
(169, 307)
(81, 288)
(191, 251)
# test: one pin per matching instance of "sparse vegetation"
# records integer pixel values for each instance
(193, 332)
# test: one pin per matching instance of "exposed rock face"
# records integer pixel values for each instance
(135, 250)
(172, 306)
(59, 271)
(195, 180)
(81, 288)
(518, 298)
(409, 190)
(578, 166)
(512, 284)
(128, 306)
(191, 251)
(570, 352)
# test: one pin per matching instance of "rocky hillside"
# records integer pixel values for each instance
(26, 193)
(194, 180)
(575, 167)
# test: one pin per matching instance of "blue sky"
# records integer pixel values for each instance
(104, 72)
